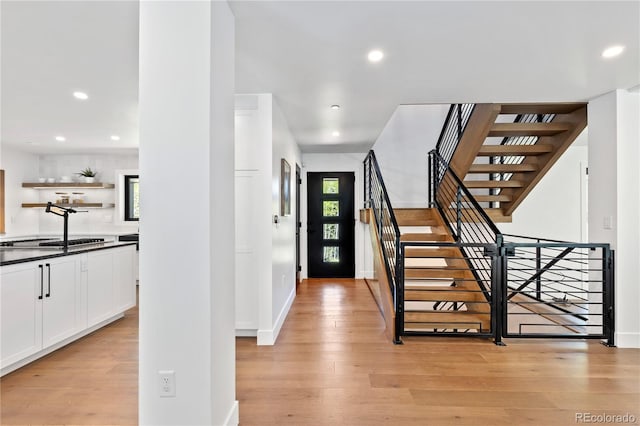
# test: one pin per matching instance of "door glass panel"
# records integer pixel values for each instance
(330, 185)
(330, 208)
(331, 254)
(330, 231)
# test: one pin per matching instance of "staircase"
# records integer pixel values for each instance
(448, 270)
(506, 149)
(440, 291)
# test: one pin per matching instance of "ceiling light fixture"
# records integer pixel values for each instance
(61, 138)
(612, 52)
(115, 138)
(80, 95)
(335, 133)
(336, 106)
(375, 56)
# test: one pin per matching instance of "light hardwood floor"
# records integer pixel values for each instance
(333, 365)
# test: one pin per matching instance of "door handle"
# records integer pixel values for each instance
(41, 281)
(48, 281)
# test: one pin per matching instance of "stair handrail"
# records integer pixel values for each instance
(379, 203)
(454, 126)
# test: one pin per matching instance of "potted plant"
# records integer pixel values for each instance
(89, 175)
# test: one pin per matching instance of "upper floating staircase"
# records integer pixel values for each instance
(506, 149)
(448, 270)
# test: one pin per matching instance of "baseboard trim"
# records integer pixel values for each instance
(246, 332)
(627, 340)
(233, 418)
(269, 337)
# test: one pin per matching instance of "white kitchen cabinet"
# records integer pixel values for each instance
(41, 305)
(63, 304)
(45, 304)
(20, 311)
(111, 284)
(100, 300)
(124, 277)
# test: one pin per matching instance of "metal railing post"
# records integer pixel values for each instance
(380, 224)
(459, 213)
(459, 107)
(431, 182)
(399, 287)
(608, 259)
(538, 267)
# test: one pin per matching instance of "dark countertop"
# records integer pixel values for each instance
(12, 256)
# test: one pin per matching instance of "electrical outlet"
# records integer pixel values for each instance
(167, 383)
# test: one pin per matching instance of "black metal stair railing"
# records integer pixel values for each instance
(468, 222)
(558, 288)
(377, 199)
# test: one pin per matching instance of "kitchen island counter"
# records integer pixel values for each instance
(11, 256)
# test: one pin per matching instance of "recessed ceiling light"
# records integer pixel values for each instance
(335, 106)
(80, 95)
(335, 133)
(375, 56)
(61, 138)
(613, 51)
(115, 138)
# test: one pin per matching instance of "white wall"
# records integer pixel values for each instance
(614, 196)
(186, 135)
(265, 266)
(402, 148)
(338, 163)
(283, 256)
(19, 166)
(553, 209)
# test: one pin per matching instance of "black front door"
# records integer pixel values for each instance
(330, 225)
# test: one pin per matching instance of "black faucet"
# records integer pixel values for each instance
(64, 212)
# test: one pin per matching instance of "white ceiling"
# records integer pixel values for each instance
(311, 55)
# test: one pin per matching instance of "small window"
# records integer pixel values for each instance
(330, 185)
(330, 231)
(330, 208)
(331, 254)
(131, 198)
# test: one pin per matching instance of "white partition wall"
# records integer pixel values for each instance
(187, 213)
(614, 199)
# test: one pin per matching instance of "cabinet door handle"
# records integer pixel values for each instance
(41, 281)
(48, 280)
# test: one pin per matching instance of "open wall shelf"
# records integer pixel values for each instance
(79, 205)
(95, 185)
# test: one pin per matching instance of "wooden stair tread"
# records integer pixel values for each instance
(417, 222)
(411, 273)
(514, 150)
(424, 262)
(418, 237)
(542, 108)
(447, 319)
(493, 184)
(528, 129)
(502, 168)
(490, 198)
(431, 252)
(443, 295)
